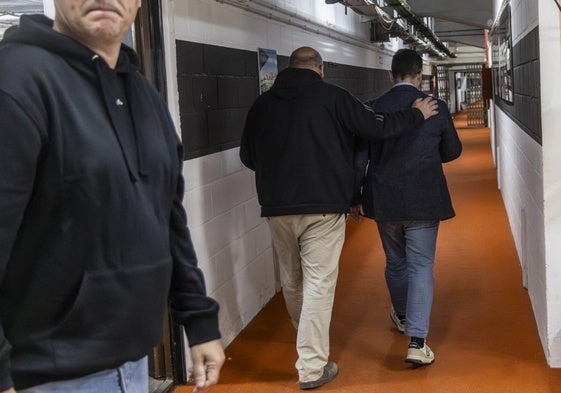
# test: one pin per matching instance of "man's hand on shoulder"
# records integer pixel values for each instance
(428, 106)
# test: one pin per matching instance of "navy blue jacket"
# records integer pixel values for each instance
(405, 180)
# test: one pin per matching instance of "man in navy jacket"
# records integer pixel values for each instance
(405, 191)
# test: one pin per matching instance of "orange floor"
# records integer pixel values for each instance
(482, 329)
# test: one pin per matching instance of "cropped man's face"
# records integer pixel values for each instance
(95, 20)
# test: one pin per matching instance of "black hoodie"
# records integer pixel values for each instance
(299, 139)
(93, 235)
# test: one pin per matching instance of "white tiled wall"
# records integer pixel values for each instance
(530, 177)
(232, 242)
(550, 73)
(524, 18)
(520, 176)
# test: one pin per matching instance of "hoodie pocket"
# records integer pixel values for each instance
(117, 316)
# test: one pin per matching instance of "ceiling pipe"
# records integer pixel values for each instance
(408, 32)
(284, 16)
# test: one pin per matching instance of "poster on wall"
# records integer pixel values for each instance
(503, 59)
(268, 68)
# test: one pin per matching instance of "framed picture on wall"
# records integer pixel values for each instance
(268, 68)
(503, 58)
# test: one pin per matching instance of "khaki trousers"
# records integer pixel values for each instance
(308, 249)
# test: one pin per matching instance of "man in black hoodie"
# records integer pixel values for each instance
(299, 140)
(93, 236)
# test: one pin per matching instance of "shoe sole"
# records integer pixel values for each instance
(418, 362)
(318, 383)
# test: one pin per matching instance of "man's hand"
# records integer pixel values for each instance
(10, 390)
(356, 212)
(427, 105)
(207, 360)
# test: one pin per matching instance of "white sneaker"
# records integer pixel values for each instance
(419, 356)
(399, 323)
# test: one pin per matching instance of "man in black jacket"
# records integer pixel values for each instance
(299, 140)
(93, 235)
(405, 191)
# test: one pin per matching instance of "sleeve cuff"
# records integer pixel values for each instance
(202, 330)
(5, 368)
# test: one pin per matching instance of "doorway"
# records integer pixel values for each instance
(166, 363)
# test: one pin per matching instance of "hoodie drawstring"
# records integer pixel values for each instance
(121, 115)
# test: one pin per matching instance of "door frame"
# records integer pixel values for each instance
(167, 363)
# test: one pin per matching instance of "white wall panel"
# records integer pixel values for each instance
(231, 191)
(213, 23)
(521, 186)
(524, 18)
(202, 171)
(198, 205)
(231, 161)
(550, 73)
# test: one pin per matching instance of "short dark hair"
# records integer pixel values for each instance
(406, 62)
(305, 57)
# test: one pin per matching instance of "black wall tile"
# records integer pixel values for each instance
(224, 125)
(224, 61)
(194, 132)
(282, 62)
(248, 90)
(516, 60)
(250, 63)
(228, 88)
(205, 92)
(218, 85)
(186, 99)
(526, 109)
(189, 58)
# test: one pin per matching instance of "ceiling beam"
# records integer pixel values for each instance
(450, 19)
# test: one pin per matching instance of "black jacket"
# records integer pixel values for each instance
(93, 236)
(405, 179)
(299, 140)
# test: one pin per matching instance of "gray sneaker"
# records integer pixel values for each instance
(330, 371)
(419, 356)
(399, 323)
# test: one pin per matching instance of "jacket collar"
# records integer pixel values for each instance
(404, 87)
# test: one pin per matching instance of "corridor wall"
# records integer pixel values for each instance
(525, 142)
(550, 70)
(215, 65)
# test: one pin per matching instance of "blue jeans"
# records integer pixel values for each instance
(131, 377)
(410, 248)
